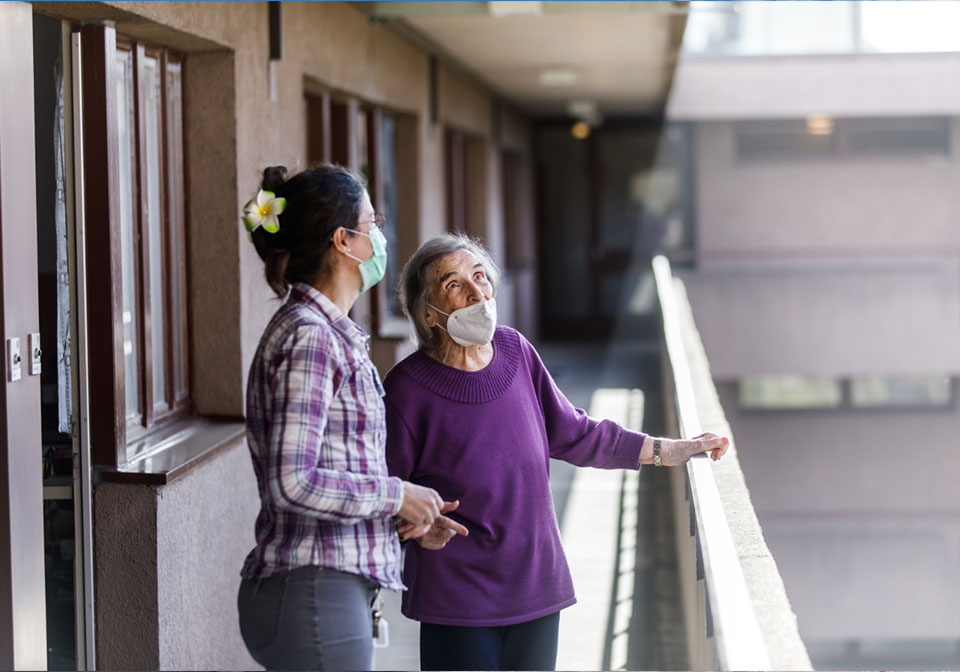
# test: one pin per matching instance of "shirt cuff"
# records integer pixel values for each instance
(392, 496)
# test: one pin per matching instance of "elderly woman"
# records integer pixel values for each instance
(475, 415)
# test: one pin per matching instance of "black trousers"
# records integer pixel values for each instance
(524, 646)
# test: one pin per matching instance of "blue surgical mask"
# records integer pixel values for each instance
(373, 269)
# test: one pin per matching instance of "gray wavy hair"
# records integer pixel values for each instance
(414, 287)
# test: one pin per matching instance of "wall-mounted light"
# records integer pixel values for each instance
(580, 130)
(819, 124)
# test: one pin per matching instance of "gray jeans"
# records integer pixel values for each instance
(310, 618)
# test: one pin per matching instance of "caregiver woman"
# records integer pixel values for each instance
(475, 415)
(315, 427)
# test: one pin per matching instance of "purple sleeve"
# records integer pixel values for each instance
(573, 435)
(304, 384)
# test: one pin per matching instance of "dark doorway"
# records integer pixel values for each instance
(607, 204)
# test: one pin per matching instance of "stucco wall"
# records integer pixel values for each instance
(208, 517)
(167, 563)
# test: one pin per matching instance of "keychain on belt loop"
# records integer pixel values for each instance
(381, 629)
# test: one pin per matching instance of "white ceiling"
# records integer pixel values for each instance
(624, 53)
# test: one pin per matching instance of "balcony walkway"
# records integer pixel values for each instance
(616, 528)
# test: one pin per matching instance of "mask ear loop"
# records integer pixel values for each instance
(442, 313)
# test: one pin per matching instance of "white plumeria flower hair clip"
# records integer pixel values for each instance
(263, 211)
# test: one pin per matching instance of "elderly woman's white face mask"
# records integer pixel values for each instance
(473, 325)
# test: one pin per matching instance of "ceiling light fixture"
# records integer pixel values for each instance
(503, 8)
(580, 130)
(558, 76)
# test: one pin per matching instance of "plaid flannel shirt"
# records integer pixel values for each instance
(316, 431)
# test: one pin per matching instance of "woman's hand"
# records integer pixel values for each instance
(421, 506)
(435, 536)
(677, 452)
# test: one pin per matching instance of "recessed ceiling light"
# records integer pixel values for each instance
(502, 8)
(551, 77)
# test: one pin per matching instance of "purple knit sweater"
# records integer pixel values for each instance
(486, 438)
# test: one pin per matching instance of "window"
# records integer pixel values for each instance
(381, 145)
(789, 392)
(519, 254)
(152, 235)
(860, 392)
(824, 138)
(912, 391)
(465, 182)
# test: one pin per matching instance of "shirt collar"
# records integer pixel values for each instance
(318, 302)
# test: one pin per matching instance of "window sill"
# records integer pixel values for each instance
(162, 458)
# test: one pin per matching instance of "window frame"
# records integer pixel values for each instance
(335, 124)
(117, 442)
(838, 145)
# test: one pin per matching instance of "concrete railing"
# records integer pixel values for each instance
(736, 610)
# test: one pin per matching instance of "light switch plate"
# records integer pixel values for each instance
(33, 343)
(13, 359)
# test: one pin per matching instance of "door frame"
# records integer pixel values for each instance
(23, 642)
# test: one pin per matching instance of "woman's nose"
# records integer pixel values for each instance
(476, 293)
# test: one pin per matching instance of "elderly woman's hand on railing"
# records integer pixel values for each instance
(677, 452)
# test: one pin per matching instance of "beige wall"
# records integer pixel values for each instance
(836, 267)
(844, 85)
(167, 568)
(899, 206)
(167, 558)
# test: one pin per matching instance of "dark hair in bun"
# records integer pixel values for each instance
(319, 201)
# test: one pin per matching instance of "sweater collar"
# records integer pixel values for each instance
(470, 387)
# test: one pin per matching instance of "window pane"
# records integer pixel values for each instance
(150, 85)
(900, 391)
(923, 136)
(783, 139)
(388, 206)
(177, 265)
(789, 392)
(128, 255)
(363, 149)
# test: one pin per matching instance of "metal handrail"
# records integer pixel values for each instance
(738, 640)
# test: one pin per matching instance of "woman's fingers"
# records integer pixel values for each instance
(451, 525)
(450, 506)
(714, 444)
(416, 532)
(420, 505)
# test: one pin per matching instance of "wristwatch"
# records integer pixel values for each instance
(657, 462)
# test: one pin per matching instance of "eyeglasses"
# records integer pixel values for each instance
(377, 221)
